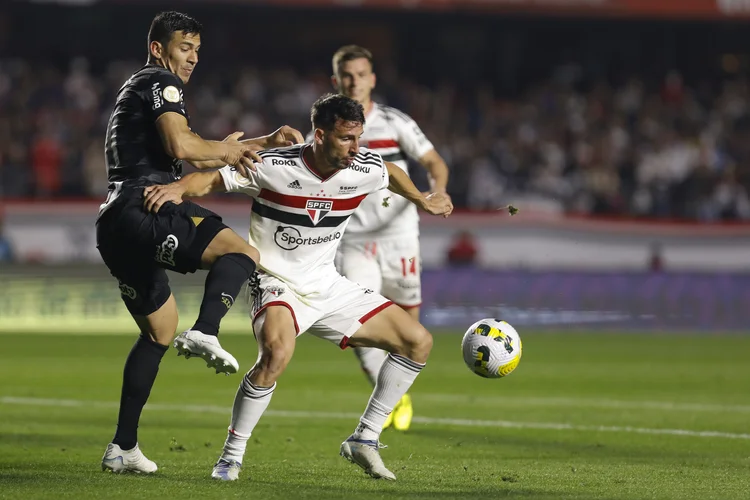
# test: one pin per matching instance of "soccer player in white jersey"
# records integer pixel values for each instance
(380, 249)
(304, 196)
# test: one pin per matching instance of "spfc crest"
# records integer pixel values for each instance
(275, 290)
(317, 209)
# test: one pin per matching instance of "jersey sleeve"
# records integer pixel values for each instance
(384, 180)
(165, 94)
(235, 182)
(411, 138)
(379, 179)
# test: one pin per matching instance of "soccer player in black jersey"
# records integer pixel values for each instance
(148, 137)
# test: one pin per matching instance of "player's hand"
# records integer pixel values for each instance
(285, 136)
(154, 197)
(438, 204)
(241, 155)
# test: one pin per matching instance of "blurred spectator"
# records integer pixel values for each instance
(656, 259)
(463, 251)
(662, 150)
(6, 249)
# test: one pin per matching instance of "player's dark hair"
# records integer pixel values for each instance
(349, 53)
(166, 23)
(331, 108)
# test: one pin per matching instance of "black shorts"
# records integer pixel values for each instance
(138, 246)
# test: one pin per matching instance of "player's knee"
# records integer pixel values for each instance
(274, 358)
(418, 344)
(251, 252)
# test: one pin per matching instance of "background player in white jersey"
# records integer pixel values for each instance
(380, 249)
(304, 196)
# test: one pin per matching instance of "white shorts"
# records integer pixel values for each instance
(391, 267)
(335, 314)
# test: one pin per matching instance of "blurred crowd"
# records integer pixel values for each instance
(659, 149)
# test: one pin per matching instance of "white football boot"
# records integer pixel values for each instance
(118, 460)
(226, 470)
(366, 454)
(194, 343)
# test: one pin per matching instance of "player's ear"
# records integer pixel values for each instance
(319, 136)
(335, 82)
(374, 80)
(156, 49)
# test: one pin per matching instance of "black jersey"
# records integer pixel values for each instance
(134, 150)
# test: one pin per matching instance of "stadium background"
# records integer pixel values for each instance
(619, 128)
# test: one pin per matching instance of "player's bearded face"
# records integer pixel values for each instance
(341, 144)
(181, 55)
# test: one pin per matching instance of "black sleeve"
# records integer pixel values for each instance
(165, 95)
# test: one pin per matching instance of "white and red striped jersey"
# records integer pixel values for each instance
(298, 216)
(395, 136)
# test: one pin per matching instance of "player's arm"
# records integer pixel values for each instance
(182, 143)
(283, 136)
(197, 184)
(194, 185)
(437, 169)
(167, 110)
(400, 183)
(417, 146)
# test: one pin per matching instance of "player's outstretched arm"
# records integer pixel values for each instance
(437, 169)
(181, 143)
(281, 137)
(193, 185)
(400, 183)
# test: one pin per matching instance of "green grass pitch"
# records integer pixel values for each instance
(585, 415)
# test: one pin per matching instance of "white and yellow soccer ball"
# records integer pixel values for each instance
(492, 348)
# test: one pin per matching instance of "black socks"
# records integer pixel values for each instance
(223, 283)
(140, 372)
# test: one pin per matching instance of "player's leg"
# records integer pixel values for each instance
(358, 317)
(409, 345)
(192, 237)
(147, 295)
(275, 332)
(358, 262)
(401, 267)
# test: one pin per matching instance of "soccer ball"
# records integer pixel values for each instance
(492, 348)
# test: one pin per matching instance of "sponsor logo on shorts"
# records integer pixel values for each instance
(275, 290)
(127, 291)
(367, 291)
(407, 284)
(289, 238)
(165, 251)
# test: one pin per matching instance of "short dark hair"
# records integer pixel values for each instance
(349, 53)
(330, 108)
(166, 23)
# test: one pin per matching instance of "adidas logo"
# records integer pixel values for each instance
(294, 184)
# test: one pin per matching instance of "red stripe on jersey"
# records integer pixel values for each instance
(301, 201)
(382, 144)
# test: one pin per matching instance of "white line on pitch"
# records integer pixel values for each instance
(353, 416)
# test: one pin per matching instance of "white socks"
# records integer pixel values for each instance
(371, 359)
(249, 404)
(396, 376)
